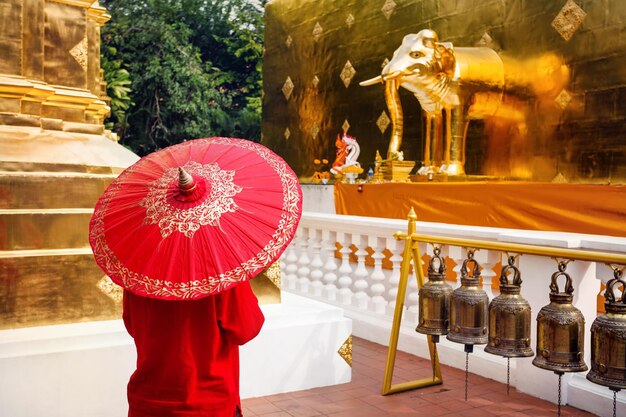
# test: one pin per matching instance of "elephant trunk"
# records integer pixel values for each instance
(392, 98)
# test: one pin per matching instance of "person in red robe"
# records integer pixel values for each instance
(188, 352)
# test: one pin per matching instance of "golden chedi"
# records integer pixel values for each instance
(55, 160)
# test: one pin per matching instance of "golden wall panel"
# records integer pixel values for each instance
(44, 229)
(43, 290)
(575, 135)
(32, 39)
(65, 30)
(10, 37)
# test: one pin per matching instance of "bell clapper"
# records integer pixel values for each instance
(560, 374)
(615, 391)
(468, 349)
(508, 375)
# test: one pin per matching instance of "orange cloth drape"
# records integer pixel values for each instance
(577, 208)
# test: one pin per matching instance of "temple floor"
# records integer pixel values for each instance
(361, 397)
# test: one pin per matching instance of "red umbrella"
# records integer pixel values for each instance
(196, 218)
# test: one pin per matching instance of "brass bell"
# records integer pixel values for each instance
(468, 308)
(434, 299)
(608, 339)
(509, 317)
(560, 330)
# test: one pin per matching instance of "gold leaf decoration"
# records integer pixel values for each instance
(569, 19)
(486, 40)
(315, 82)
(80, 52)
(345, 126)
(315, 130)
(273, 273)
(350, 20)
(388, 8)
(288, 88)
(317, 32)
(288, 41)
(383, 122)
(563, 99)
(110, 289)
(347, 73)
(345, 351)
(287, 133)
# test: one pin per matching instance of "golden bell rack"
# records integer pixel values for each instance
(412, 253)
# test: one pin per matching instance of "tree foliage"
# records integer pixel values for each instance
(194, 65)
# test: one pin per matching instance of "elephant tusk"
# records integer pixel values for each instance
(372, 81)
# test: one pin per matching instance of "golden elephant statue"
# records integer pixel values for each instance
(456, 84)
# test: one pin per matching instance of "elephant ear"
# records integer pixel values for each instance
(445, 56)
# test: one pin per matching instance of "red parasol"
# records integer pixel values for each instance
(196, 218)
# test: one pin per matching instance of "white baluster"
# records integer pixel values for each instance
(329, 239)
(488, 259)
(377, 289)
(395, 247)
(412, 292)
(345, 270)
(291, 266)
(458, 255)
(316, 263)
(304, 262)
(361, 298)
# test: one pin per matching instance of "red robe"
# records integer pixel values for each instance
(188, 352)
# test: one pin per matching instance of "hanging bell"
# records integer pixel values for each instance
(468, 308)
(608, 339)
(560, 330)
(434, 298)
(509, 317)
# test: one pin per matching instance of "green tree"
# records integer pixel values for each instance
(195, 67)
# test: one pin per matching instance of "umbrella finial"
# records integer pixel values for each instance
(186, 184)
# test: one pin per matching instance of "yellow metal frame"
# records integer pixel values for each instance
(411, 251)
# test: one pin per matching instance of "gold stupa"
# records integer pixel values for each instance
(55, 161)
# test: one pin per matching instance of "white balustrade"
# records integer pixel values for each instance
(368, 293)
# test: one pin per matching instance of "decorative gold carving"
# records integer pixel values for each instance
(110, 289)
(315, 130)
(98, 13)
(383, 122)
(79, 52)
(347, 73)
(288, 41)
(287, 133)
(345, 126)
(317, 32)
(350, 20)
(388, 8)
(345, 351)
(315, 82)
(288, 88)
(486, 40)
(569, 19)
(273, 273)
(563, 99)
